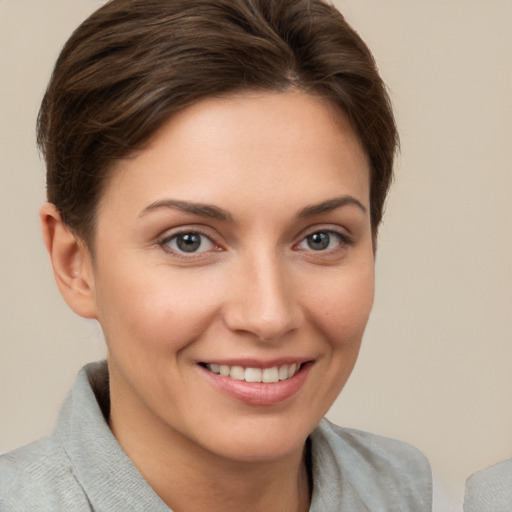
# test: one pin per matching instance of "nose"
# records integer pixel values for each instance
(263, 300)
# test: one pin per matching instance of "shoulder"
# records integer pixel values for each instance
(395, 471)
(39, 477)
(490, 489)
(377, 451)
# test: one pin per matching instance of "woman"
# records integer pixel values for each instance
(216, 173)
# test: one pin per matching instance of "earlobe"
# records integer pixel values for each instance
(71, 262)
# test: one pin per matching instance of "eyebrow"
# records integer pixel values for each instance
(329, 205)
(214, 212)
(200, 209)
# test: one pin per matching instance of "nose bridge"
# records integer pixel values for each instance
(264, 302)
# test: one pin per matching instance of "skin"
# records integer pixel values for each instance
(255, 291)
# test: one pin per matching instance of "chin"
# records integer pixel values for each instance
(263, 442)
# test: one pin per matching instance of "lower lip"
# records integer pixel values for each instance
(259, 393)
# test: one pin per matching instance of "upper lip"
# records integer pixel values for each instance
(257, 363)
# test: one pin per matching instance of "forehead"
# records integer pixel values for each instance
(268, 144)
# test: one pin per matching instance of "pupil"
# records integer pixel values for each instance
(318, 241)
(189, 242)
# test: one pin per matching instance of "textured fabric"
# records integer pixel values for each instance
(81, 467)
(356, 471)
(490, 490)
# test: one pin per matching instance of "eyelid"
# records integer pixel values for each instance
(164, 239)
(340, 231)
(344, 239)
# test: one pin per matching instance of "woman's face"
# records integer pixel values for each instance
(236, 247)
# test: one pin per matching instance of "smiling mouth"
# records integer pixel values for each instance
(249, 374)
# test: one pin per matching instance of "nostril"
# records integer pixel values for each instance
(264, 303)
(266, 328)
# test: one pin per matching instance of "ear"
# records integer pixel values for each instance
(71, 262)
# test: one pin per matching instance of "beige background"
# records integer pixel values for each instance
(435, 368)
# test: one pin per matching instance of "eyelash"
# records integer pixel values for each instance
(164, 243)
(343, 241)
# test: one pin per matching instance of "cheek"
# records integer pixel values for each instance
(343, 307)
(159, 312)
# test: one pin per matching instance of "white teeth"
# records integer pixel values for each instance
(253, 374)
(237, 372)
(267, 375)
(270, 375)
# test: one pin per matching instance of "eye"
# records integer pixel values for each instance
(323, 241)
(188, 242)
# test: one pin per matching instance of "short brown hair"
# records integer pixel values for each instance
(134, 63)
